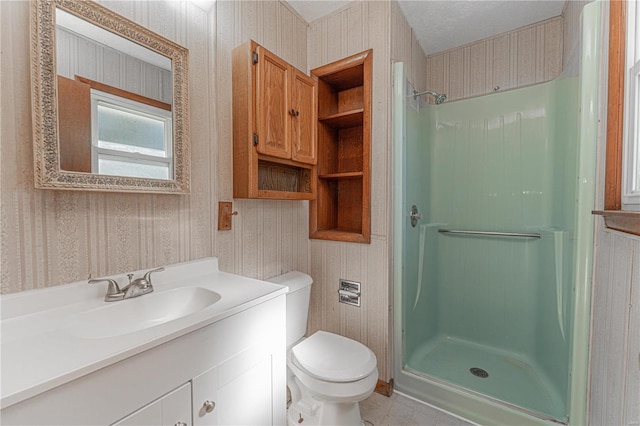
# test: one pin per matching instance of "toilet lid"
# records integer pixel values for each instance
(333, 358)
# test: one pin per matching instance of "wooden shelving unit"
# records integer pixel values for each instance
(341, 211)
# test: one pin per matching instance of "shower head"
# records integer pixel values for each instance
(440, 98)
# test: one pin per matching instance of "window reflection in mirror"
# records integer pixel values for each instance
(129, 138)
(114, 103)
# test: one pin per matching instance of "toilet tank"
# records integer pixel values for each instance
(297, 303)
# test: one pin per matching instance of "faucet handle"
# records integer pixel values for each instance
(112, 290)
(147, 276)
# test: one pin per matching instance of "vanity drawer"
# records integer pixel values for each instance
(172, 409)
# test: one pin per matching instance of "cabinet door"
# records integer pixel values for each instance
(272, 104)
(171, 410)
(176, 407)
(238, 392)
(303, 119)
(205, 398)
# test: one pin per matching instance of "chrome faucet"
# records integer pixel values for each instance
(135, 288)
(139, 286)
(113, 291)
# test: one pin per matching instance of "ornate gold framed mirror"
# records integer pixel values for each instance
(110, 102)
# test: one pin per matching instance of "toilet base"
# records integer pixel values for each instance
(316, 413)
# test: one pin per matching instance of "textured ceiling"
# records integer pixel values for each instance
(440, 25)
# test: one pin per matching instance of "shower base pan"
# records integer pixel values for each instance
(506, 377)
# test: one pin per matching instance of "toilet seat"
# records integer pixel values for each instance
(328, 357)
(345, 392)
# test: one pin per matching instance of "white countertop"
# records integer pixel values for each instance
(38, 351)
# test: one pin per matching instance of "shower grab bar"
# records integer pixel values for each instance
(492, 233)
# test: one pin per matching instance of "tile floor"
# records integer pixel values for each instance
(398, 410)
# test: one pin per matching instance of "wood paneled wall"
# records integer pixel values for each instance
(54, 237)
(614, 397)
(405, 48)
(528, 55)
(80, 56)
(357, 27)
(268, 237)
(614, 367)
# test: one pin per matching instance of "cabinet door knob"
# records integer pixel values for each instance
(209, 406)
(292, 111)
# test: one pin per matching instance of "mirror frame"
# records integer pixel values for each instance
(46, 149)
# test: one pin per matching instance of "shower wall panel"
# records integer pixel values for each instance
(555, 291)
(493, 160)
(420, 257)
(571, 31)
(504, 162)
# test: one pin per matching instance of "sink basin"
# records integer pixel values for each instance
(131, 315)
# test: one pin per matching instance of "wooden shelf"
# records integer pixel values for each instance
(340, 235)
(344, 175)
(345, 119)
(341, 210)
(283, 195)
(277, 180)
(621, 220)
(350, 75)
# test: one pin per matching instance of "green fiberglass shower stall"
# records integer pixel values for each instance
(492, 246)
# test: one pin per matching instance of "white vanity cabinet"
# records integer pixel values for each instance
(237, 364)
(236, 392)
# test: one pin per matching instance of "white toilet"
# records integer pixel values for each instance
(327, 374)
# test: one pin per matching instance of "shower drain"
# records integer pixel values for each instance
(479, 372)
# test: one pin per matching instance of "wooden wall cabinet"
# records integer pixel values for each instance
(274, 116)
(341, 210)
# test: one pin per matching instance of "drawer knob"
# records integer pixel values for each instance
(181, 424)
(209, 406)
